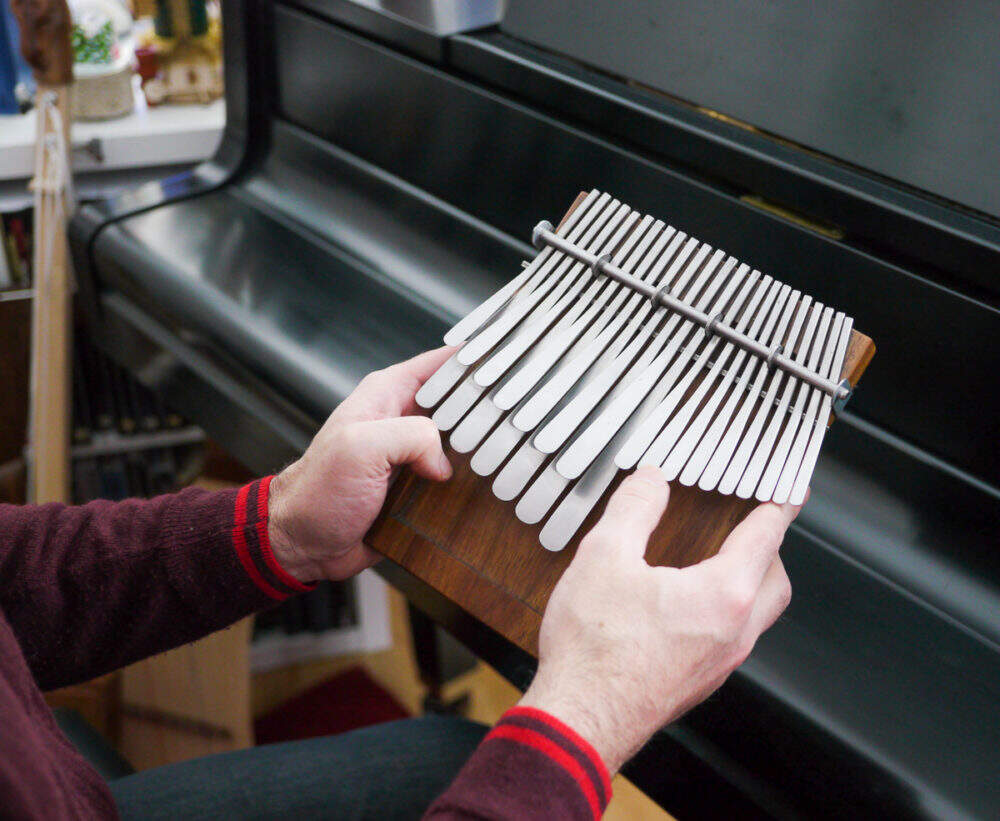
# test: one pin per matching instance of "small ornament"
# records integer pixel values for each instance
(102, 67)
(185, 67)
(93, 39)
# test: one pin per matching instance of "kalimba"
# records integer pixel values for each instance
(623, 342)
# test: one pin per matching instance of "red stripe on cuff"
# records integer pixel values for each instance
(585, 747)
(529, 738)
(243, 552)
(263, 514)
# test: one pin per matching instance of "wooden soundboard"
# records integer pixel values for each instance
(465, 543)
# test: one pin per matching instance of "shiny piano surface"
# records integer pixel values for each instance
(379, 176)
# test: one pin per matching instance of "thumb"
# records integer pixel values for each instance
(406, 440)
(634, 510)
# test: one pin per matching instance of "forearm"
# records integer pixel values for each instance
(89, 589)
(530, 766)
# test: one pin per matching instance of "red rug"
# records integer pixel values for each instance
(344, 702)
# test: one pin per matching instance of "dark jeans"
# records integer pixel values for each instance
(387, 771)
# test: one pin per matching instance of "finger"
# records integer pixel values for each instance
(752, 546)
(634, 510)
(414, 372)
(405, 440)
(391, 391)
(774, 595)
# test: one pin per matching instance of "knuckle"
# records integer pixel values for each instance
(772, 531)
(370, 379)
(340, 440)
(768, 539)
(741, 651)
(633, 495)
(426, 428)
(785, 595)
(737, 603)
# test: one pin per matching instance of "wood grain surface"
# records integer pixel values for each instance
(467, 544)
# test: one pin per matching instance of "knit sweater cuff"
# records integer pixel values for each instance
(529, 766)
(563, 745)
(253, 545)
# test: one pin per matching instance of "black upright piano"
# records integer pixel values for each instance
(381, 168)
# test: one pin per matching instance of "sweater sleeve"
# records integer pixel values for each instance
(92, 588)
(529, 766)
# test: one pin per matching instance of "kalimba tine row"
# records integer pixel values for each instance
(625, 342)
(626, 339)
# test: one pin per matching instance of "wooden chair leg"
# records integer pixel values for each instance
(427, 649)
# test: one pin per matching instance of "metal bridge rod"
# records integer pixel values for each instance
(544, 234)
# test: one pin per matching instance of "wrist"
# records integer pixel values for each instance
(288, 555)
(585, 719)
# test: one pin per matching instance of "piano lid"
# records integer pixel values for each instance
(905, 89)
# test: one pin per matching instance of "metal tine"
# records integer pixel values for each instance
(462, 398)
(523, 304)
(475, 425)
(807, 419)
(586, 492)
(552, 436)
(471, 323)
(736, 467)
(719, 457)
(758, 461)
(542, 494)
(569, 337)
(562, 385)
(798, 494)
(526, 461)
(565, 312)
(565, 381)
(440, 382)
(447, 376)
(656, 369)
(571, 512)
(524, 464)
(487, 411)
(665, 450)
(497, 447)
(792, 418)
(680, 376)
(696, 448)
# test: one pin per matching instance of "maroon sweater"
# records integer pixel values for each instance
(85, 590)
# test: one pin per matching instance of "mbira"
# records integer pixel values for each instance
(624, 342)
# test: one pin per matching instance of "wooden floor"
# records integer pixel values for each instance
(396, 670)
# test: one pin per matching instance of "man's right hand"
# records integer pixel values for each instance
(626, 648)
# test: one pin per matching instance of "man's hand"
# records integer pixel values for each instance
(322, 505)
(626, 648)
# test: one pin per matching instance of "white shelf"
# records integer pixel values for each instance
(165, 135)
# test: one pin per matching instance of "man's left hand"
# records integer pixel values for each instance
(322, 505)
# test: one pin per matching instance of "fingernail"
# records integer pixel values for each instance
(444, 466)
